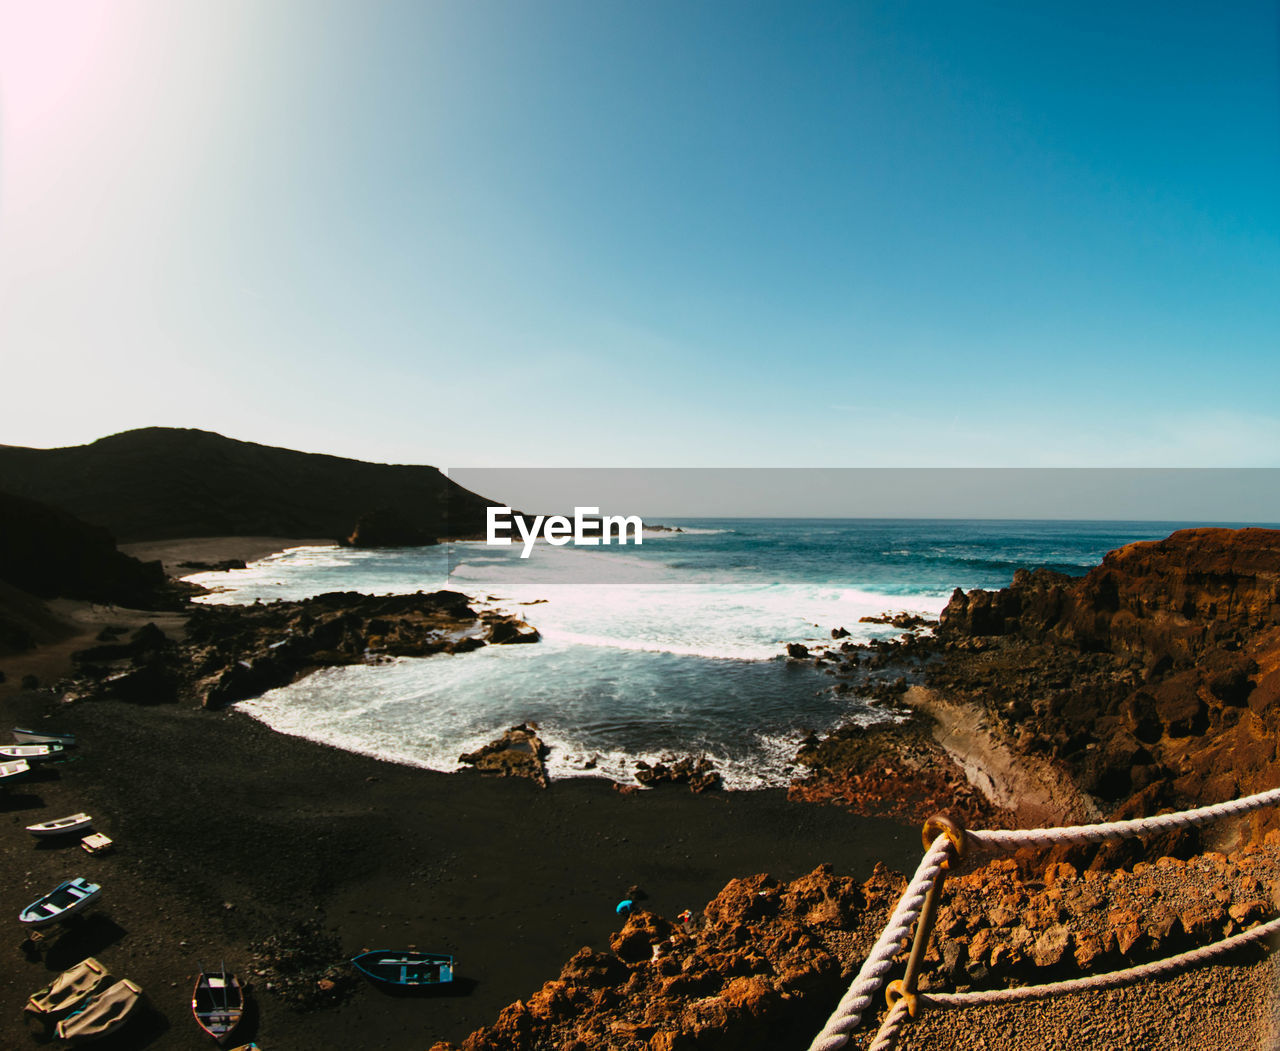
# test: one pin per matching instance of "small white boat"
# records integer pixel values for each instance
(104, 1014)
(61, 826)
(24, 736)
(32, 753)
(75, 895)
(13, 770)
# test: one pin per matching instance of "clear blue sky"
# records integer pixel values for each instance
(658, 233)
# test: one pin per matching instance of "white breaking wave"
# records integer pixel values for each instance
(428, 712)
(590, 597)
(621, 674)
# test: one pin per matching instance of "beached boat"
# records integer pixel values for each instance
(218, 1003)
(103, 1014)
(397, 967)
(13, 770)
(70, 989)
(75, 895)
(32, 753)
(23, 736)
(62, 826)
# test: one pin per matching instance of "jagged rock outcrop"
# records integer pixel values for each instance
(1155, 678)
(904, 620)
(698, 773)
(758, 968)
(519, 752)
(1002, 924)
(765, 961)
(1166, 600)
(891, 770)
(232, 653)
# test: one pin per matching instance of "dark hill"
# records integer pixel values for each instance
(163, 483)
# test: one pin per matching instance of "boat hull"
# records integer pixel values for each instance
(63, 826)
(22, 736)
(14, 770)
(406, 969)
(67, 899)
(32, 753)
(217, 1003)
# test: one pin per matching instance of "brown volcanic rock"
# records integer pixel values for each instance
(1155, 600)
(765, 962)
(698, 773)
(1155, 678)
(895, 770)
(231, 653)
(517, 753)
(758, 969)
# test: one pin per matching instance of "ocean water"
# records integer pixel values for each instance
(675, 646)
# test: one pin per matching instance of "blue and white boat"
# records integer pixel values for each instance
(405, 967)
(66, 899)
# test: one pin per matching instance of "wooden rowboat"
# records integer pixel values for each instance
(70, 989)
(14, 770)
(405, 968)
(218, 1003)
(62, 826)
(32, 753)
(103, 1014)
(75, 895)
(23, 736)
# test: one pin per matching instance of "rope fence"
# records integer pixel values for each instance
(916, 909)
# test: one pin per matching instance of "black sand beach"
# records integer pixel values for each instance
(228, 833)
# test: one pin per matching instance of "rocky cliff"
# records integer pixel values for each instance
(1155, 678)
(162, 483)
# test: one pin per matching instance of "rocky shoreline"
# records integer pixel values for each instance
(232, 653)
(1148, 683)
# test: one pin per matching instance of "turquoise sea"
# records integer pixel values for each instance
(672, 646)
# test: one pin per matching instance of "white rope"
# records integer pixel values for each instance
(848, 1013)
(891, 1028)
(1009, 839)
(1100, 981)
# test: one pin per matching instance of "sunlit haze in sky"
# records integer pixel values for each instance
(660, 233)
